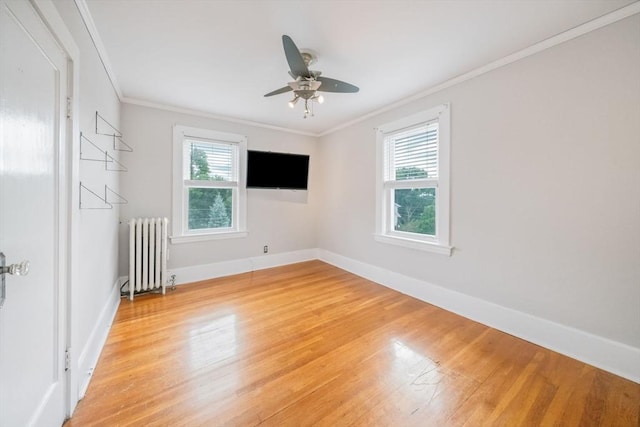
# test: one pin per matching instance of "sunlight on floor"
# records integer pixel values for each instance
(213, 343)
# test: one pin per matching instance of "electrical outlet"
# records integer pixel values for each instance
(265, 249)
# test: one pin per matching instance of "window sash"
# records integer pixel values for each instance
(415, 236)
(222, 158)
(210, 184)
(225, 147)
(198, 231)
(416, 183)
(389, 227)
(388, 183)
(415, 148)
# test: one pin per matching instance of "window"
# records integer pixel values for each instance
(413, 181)
(209, 194)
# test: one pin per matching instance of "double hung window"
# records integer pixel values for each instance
(209, 194)
(413, 183)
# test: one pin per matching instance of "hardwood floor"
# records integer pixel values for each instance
(312, 345)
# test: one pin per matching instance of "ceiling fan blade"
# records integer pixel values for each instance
(279, 91)
(294, 58)
(333, 85)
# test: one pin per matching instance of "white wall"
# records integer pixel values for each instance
(277, 218)
(545, 187)
(95, 248)
(545, 190)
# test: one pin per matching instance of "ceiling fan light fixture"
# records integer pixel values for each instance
(307, 82)
(294, 101)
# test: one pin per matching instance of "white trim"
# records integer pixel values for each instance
(55, 23)
(176, 240)
(587, 27)
(440, 243)
(87, 18)
(612, 356)
(90, 354)
(196, 273)
(198, 113)
(69, 178)
(594, 24)
(74, 231)
(609, 355)
(179, 229)
(443, 195)
(97, 43)
(420, 245)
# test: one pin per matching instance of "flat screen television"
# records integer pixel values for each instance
(266, 169)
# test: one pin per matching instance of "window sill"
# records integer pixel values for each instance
(414, 244)
(204, 237)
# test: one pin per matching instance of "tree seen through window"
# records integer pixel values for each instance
(208, 207)
(415, 210)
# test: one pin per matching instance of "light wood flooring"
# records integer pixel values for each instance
(311, 345)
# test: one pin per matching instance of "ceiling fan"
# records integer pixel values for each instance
(307, 82)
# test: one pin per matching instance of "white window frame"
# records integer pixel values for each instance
(385, 232)
(180, 202)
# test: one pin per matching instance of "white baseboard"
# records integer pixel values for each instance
(612, 356)
(91, 352)
(197, 273)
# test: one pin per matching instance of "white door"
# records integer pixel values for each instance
(33, 88)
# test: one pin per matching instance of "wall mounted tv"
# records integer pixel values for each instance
(266, 169)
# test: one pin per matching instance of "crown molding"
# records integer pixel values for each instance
(83, 8)
(587, 27)
(199, 113)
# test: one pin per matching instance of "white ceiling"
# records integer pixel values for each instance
(221, 57)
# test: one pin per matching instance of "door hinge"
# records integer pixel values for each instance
(69, 108)
(67, 359)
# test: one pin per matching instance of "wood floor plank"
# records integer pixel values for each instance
(312, 345)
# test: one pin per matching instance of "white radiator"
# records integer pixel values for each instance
(147, 254)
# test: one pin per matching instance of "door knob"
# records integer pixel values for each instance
(19, 269)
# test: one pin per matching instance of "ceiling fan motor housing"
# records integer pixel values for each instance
(305, 89)
(305, 94)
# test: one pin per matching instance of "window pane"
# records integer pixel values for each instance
(412, 154)
(210, 208)
(211, 161)
(415, 210)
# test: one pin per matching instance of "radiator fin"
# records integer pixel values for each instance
(147, 255)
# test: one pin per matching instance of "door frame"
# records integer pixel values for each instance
(67, 201)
